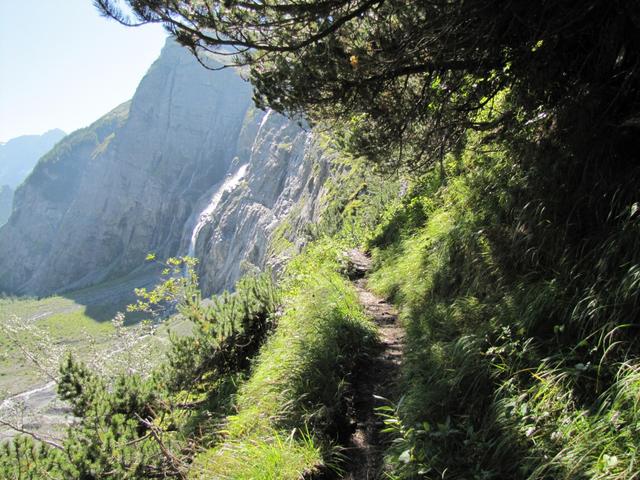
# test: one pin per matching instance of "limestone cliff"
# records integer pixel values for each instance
(6, 200)
(285, 172)
(188, 166)
(107, 195)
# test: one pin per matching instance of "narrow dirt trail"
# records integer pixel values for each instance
(378, 378)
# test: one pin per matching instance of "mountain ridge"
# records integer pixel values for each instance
(20, 154)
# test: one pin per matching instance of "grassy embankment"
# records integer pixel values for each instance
(292, 410)
(521, 317)
(518, 283)
(294, 401)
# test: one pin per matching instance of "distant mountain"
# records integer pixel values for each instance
(19, 155)
(6, 200)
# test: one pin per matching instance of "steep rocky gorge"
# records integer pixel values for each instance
(188, 166)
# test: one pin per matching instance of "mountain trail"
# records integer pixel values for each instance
(375, 381)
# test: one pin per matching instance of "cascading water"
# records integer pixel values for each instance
(227, 185)
(230, 183)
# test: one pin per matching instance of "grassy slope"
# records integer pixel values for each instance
(292, 409)
(298, 381)
(521, 358)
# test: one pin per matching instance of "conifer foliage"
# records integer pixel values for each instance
(406, 78)
(141, 427)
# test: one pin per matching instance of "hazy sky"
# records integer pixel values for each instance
(64, 66)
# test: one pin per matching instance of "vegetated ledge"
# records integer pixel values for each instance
(295, 402)
(521, 358)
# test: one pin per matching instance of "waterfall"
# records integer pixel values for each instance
(264, 120)
(227, 185)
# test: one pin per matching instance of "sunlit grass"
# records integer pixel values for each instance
(269, 457)
(514, 368)
(297, 384)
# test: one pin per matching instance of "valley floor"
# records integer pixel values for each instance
(36, 333)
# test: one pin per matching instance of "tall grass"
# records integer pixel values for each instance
(299, 382)
(522, 351)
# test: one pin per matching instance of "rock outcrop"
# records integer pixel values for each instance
(161, 174)
(6, 201)
(285, 173)
(108, 194)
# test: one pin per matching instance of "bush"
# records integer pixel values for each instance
(135, 427)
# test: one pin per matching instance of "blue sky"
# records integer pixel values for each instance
(64, 66)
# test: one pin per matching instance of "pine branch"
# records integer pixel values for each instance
(33, 435)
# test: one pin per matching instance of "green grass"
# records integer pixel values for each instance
(74, 326)
(62, 323)
(299, 381)
(521, 361)
(266, 458)
(30, 307)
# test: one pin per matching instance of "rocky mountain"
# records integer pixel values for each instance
(19, 155)
(6, 200)
(286, 169)
(188, 166)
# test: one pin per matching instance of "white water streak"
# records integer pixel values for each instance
(45, 390)
(229, 184)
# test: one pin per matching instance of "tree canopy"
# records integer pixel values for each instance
(407, 78)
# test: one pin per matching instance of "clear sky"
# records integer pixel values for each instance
(62, 65)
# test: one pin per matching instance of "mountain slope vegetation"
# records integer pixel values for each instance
(19, 155)
(507, 236)
(522, 358)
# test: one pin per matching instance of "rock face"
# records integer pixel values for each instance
(285, 173)
(109, 194)
(18, 156)
(6, 200)
(161, 174)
